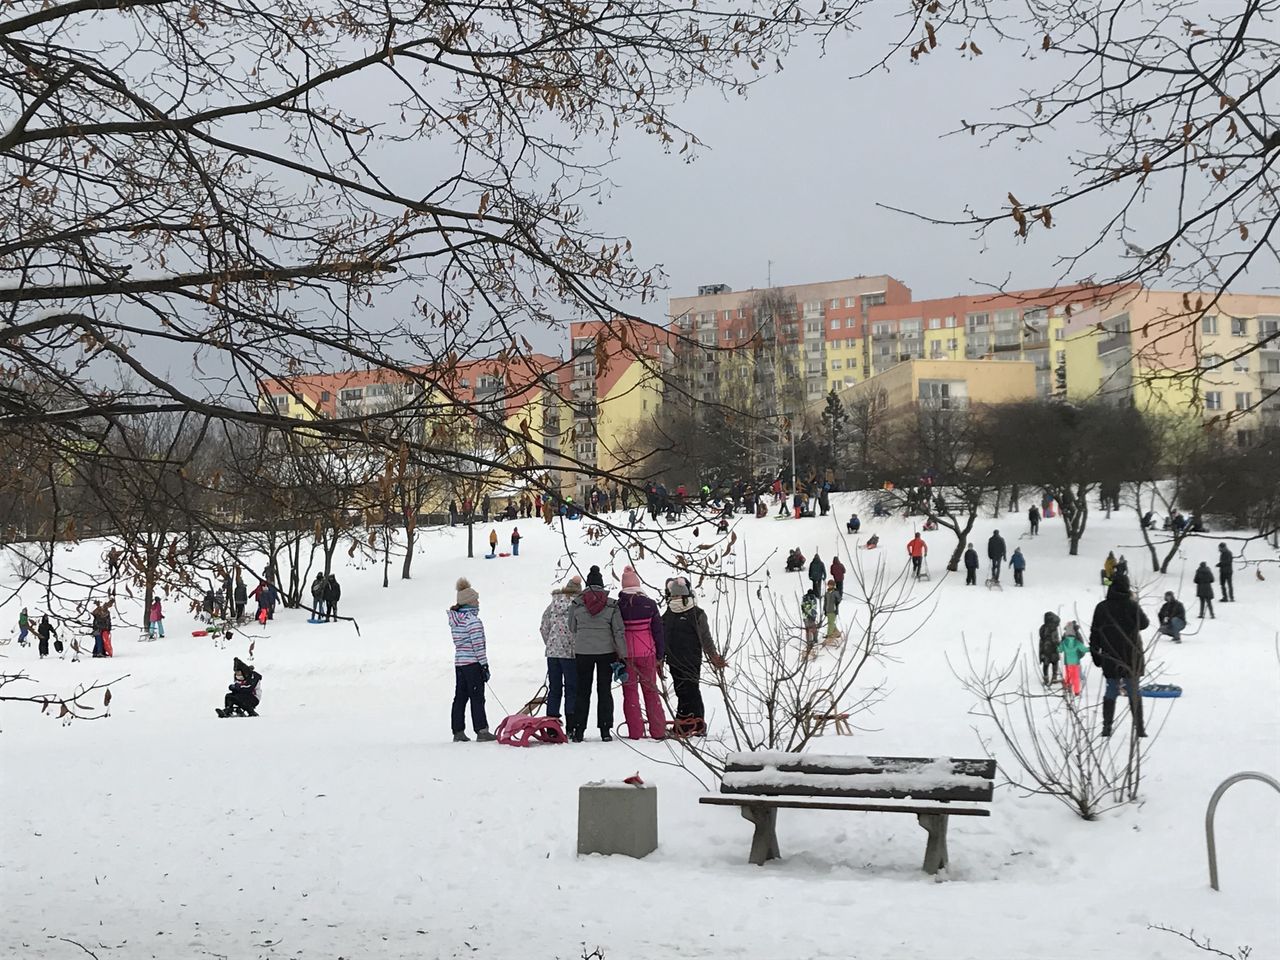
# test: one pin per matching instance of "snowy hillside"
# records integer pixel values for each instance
(344, 823)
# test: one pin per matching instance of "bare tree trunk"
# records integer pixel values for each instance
(410, 534)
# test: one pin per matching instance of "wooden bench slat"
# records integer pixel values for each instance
(978, 792)
(856, 807)
(818, 764)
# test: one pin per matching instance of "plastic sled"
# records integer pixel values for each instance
(504, 554)
(199, 633)
(524, 731)
(1166, 691)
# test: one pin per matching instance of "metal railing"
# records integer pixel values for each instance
(1213, 808)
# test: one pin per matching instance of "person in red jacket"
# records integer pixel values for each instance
(917, 549)
(837, 574)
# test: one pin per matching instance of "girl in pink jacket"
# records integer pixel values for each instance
(642, 622)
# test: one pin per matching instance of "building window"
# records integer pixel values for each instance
(1059, 334)
(850, 301)
(975, 320)
(324, 396)
(1240, 365)
(835, 324)
(881, 329)
(952, 344)
(1060, 357)
(835, 304)
(1208, 324)
(1244, 438)
(848, 344)
(836, 363)
(873, 300)
(728, 335)
(935, 323)
(1239, 327)
(1244, 400)
(1213, 400)
(281, 402)
(1212, 360)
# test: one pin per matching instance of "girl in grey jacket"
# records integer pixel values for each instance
(598, 643)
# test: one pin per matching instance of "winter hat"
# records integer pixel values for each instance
(594, 577)
(1119, 584)
(467, 596)
(574, 586)
(678, 587)
(241, 667)
(630, 580)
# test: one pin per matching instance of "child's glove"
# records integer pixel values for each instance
(486, 672)
(619, 671)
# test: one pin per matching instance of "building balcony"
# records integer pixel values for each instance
(1117, 341)
(1269, 341)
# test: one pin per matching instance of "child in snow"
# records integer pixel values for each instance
(244, 693)
(1073, 649)
(831, 607)
(1108, 568)
(317, 597)
(24, 627)
(515, 542)
(1049, 646)
(1019, 563)
(809, 610)
(646, 639)
(470, 664)
(557, 638)
(155, 625)
(493, 543)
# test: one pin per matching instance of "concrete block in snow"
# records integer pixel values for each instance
(617, 818)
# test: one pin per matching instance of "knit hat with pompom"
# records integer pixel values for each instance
(467, 596)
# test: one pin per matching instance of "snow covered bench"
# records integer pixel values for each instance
(753, 780)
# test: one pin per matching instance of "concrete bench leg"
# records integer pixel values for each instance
(764, 842)
(935, 851)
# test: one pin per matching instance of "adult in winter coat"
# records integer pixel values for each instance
(831, 608)
(1108, 568)
(101, 631)
(688, 640)
(332, 594)
(317, 596)
(1033, 515)
(470, 664)
(599, 641)
(1204, 589)
(1019, 564)
(562, 668)
(1049, 646)
(242, 597)
(970, 566)
(1172, 617)
(1115, 643)
(917, 549)
(44, 631)
(155, 620)
(1225, 571)
(515, 542)
(837, 575)
(244, 694)
(997, 554)
(817, 573)
(646, 649)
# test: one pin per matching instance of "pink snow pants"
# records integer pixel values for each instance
(1071, 678)
(642, 672)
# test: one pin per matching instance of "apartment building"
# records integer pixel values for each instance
(1172, 351)
(773, 350)
(616, 384)
(1021, 325)
(942, 383)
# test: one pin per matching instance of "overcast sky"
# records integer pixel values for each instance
(793, 174)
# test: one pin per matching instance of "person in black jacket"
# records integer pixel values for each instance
(242, 597)
(243, 694)
(1203, 580)
(817, 573)
(997, 554)
(1115, 643)
(1225, 558)
(1172, 617)
(44, 631)
(970, 566)
(688, 640)
(332, 594)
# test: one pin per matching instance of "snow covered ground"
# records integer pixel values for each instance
(343, 823)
